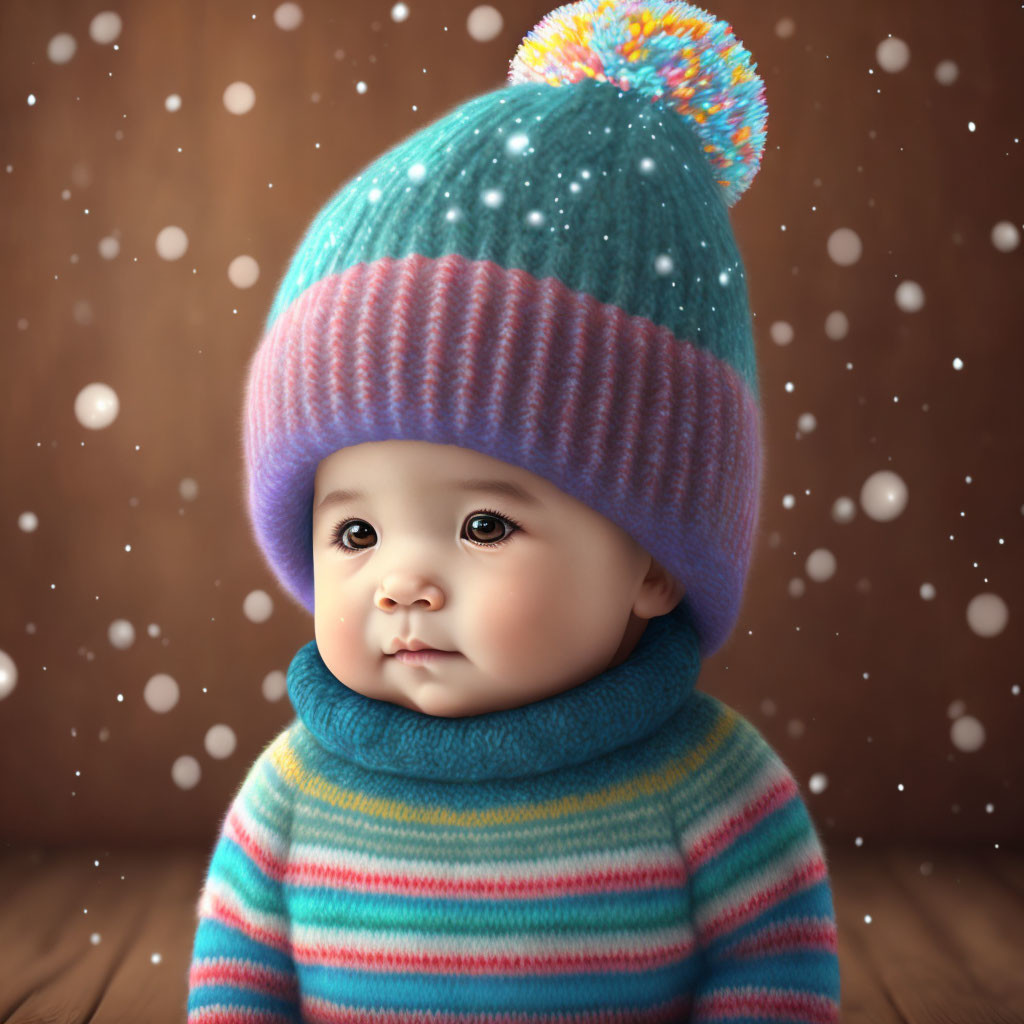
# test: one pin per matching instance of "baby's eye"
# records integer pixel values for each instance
(485, 529)
(361, 528)
(487, 523)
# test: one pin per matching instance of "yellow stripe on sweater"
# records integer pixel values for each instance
(291, 770)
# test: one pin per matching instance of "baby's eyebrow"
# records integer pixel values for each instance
(505, 488)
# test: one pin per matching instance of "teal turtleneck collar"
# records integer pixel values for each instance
(621, 705)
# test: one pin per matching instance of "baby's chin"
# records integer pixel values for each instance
(440, 699)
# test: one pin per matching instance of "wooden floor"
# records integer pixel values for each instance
(944, 943)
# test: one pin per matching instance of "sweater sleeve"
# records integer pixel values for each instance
(241, 965)
(761, 902)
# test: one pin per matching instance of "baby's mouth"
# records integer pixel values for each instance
(423, 656)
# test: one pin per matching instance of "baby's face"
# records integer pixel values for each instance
(526, 612)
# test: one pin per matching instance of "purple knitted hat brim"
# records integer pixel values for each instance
(656, 434)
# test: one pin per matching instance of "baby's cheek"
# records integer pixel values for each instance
(512, 615)
(336, 630)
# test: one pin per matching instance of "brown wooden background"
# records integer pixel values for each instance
(858, 673)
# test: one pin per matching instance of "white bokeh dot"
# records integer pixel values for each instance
(258, 606)
(987, 614)
(28, 522)
(8, 674)
(220, 741)
(96, 406)
(844, 247)
(883, 496)
(837, 325)
(806, 423)
(172, 103)
(186, 772)
(844, 510)
(663, 264)
(781, 332)
(818, 782)
(171, 243)
(967, 734)
(892, 55)
(1005, 236)
(946, 72)
(820, 565)
(109, 247)
(517, 143)
(105, 27)
(243, 271)
(909, 296)
(288, 17)
(239, 98)
(188, 489)
(61, 48)
(927, 592)
(275, 685)
(121, 634)
(161, 693)
(484, 23)
(399, 12)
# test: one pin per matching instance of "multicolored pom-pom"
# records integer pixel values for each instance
(669, 51)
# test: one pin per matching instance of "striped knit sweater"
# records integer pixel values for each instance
(631, 850)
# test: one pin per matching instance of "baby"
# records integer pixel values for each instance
(502, 439)
(527, 591)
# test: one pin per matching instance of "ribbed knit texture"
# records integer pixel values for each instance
(671, 875)
(457, 185)
(544, 275)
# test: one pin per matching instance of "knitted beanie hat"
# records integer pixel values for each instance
(547, 275)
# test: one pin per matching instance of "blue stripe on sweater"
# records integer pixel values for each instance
(565, 914)
(603, 990)
(216, 939)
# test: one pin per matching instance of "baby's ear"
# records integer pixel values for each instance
(661, 592)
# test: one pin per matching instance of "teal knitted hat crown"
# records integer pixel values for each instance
(547, 275)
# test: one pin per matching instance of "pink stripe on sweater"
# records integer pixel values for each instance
(243, 974)
(805, 934)
(235, 830)
(319, 1011)
(669, 875)
(769, 1003)
(221, 1014)
(765, 803)
(807, 874)
(560, 962)
(216, 909)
